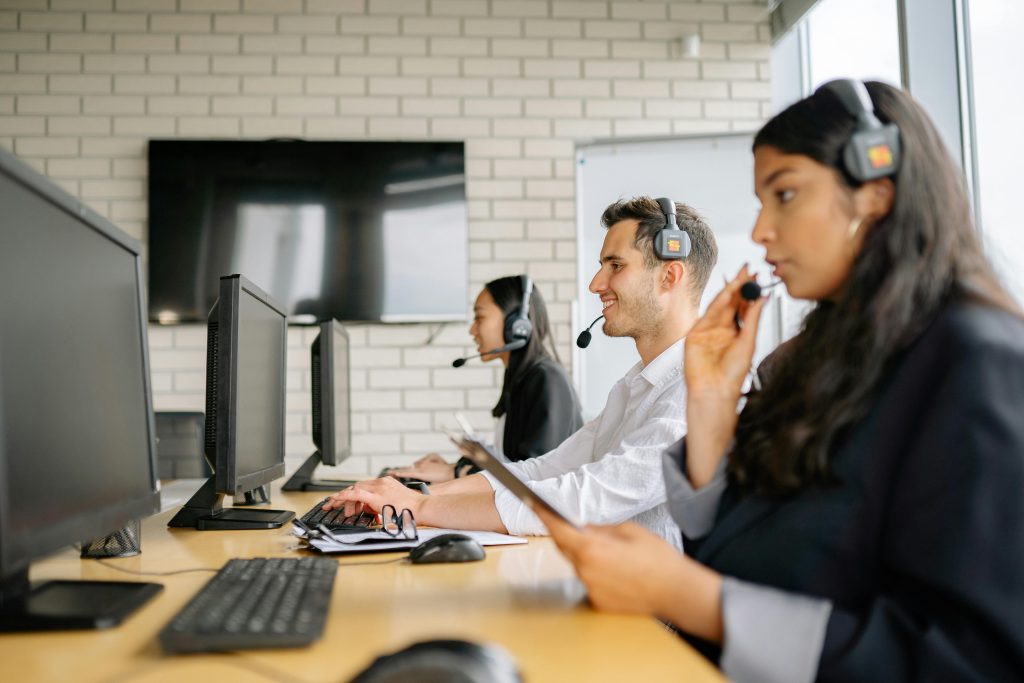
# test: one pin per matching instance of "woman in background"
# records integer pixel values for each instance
(537, 409)
(861, 519)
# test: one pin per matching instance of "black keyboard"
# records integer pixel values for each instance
(335, 520)
(257, 603)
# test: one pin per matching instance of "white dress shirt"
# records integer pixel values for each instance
(610, 470)
(499, 438)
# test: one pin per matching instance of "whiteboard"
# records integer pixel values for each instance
(715, 175)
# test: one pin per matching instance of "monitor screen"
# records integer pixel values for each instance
(330, 229)
(331, 396)
(77, 456)
(250, 383)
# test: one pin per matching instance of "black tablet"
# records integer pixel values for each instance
(482, 457)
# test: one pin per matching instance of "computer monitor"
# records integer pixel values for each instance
(77, 453)
(332, 416)
(245, 387)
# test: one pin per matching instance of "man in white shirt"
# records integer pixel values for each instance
(610, 470)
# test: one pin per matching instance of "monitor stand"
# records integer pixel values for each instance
(303, 480)
(204, 511)
(68, 605)
(257, 496)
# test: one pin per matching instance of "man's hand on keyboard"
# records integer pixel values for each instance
(374, 494)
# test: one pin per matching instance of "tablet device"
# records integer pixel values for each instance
(478, 453)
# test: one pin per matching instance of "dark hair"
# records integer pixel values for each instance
(924, 252)
(703, 251)
(507, 293)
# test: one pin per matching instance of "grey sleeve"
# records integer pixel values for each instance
(770, 634)
(692, 510)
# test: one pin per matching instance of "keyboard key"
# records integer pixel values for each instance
(335, 520)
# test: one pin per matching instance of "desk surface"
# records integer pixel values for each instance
(524, 598)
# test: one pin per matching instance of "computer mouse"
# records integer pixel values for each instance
(447, 548)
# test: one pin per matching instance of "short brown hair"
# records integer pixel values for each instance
(703, 250)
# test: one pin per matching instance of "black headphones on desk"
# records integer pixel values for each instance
(873, 151)
(671, 243)
(517, 323)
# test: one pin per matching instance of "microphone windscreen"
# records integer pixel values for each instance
(458, 362)
(751, 291)
(583, 341)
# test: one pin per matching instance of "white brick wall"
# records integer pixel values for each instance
(84, 83)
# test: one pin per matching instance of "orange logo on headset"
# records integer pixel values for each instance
(674, 246)
(880, 156)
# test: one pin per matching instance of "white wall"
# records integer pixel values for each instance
(84, 83)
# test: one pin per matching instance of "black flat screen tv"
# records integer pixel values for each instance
(358, 231)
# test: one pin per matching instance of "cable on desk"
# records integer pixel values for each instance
(253, 666)
(168, 573)
(360, 564)
(234, 659)
(177, 571)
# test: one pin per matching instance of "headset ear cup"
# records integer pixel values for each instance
(517, 323)
(873, 150)
(852, 153)
(673, 245)
(517, 327)
(687, 244)
(522, 328)
(872, 154)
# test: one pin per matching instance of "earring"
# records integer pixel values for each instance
(854, 227)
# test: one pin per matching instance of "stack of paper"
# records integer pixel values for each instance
(376, 540)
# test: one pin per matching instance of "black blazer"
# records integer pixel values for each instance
(920, 548)
(541, 411)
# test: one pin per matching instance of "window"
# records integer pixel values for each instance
(854, 39)
(995, 26)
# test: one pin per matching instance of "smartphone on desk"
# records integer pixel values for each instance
(473, 449)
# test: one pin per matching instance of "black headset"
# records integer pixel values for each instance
(873, 151)
(517, 323)
(671, 243)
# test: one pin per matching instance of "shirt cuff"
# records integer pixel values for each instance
(692, 509)
(517, 517)
(492, 480)
(771, 635)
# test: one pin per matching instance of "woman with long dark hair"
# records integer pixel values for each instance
(862, 517)
(537, 409)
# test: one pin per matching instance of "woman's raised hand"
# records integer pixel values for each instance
(720, 346)
(718, 354)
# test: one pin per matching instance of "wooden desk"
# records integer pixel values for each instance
(524, 598)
